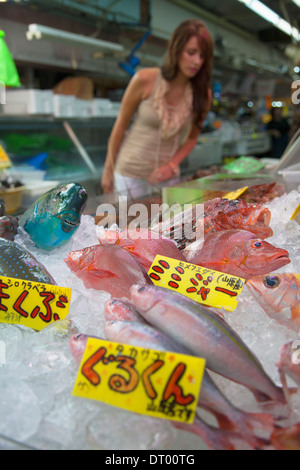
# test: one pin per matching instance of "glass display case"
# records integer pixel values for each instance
(47, 151)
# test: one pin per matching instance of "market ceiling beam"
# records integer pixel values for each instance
(272, 17)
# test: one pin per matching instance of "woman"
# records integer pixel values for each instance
(169, 103)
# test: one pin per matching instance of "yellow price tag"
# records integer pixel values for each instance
(153, 383)
(203, 285)
(32, 304)
(297, 212)
(5, 161)
(235, 194)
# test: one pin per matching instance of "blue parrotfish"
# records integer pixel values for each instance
(54, 218)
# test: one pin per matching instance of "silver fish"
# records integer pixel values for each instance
(211, 398)
(207, 336)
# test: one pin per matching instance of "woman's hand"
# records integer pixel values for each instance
(107, 181)
(163, 173)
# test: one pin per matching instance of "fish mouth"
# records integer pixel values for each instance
(69, 221)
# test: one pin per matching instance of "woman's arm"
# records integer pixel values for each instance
(171, 169)
(136, 91)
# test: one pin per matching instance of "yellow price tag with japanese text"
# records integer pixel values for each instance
(235, 194)
(296, 213)
(203, 285)
(32, 304)
(153, 383)
(5, 161)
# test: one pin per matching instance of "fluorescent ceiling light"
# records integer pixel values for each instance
(36, 31)
(272, 17)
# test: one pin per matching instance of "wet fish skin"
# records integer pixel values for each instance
(239, 253)
(224, 214)
(120, 310)
(8, 227)
(144, 245)
(206, 335)
(17, 262)
(53, 219)
(275, 292)
(289, 366)
(107, 268)
(211, 398)
(218, 214)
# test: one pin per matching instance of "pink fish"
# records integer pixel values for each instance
(239, 253)
(207, 336)
(119, 310)
(143, 244)
(289, 366)
(276, 292)
(107, 268)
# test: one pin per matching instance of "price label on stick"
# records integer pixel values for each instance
(203, 285)
(155, 383)
(296, 213)
(235, 194)
(32, 304)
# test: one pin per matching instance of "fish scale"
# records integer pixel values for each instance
(18, 263)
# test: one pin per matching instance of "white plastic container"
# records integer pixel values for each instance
(291, 176)
(64, 106)
(83, 108)
(28, 102)
(101, 106)
(35, 190)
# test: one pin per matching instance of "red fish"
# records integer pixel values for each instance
(222, 214)
(276, 292)
(216, 215)
(239, 253)
(107, 268)
(143, 244)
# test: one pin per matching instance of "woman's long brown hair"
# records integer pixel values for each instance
(201, 83)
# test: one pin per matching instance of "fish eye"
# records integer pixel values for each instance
(271, 282)
(257, 244)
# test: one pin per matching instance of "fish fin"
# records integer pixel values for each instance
(129, 248)
(295, 309)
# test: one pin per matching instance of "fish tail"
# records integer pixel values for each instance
(260, 421)
(247, 424)
(278, 396)
(214, 438)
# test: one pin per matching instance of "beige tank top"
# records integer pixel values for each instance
(155, 133)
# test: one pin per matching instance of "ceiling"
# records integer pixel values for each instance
(112, 20)
(125, 12)
(239, 15)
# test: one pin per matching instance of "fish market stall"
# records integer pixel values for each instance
(103, 285)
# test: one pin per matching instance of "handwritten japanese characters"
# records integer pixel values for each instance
(213, 288)
(32, 304)
(160, 384)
